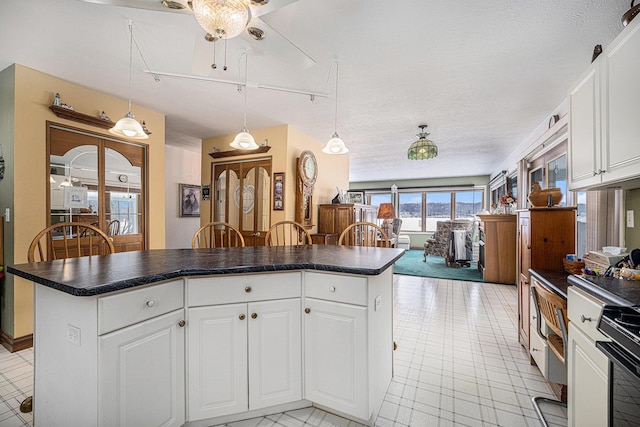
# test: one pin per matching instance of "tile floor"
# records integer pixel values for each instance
(458, 363)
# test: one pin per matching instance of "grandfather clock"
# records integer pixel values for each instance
(306, 174)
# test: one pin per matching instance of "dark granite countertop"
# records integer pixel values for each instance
(554, 280)
(106, 273)
(608, 289)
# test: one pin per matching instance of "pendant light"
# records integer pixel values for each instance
(423, 148)
(335, 145)
(128, 126)
(244, 140)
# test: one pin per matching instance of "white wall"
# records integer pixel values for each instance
(182, 166)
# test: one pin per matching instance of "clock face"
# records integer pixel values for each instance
(123, 178)
(309, 167)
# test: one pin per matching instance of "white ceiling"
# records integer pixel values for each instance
(481, 73)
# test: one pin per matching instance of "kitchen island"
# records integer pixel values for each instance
(207, 336)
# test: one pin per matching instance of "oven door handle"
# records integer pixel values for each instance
(617, 355)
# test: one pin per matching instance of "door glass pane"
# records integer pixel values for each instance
(264, 195)
(244, 199)
(468, 203)
(123, 195)
(536, 175)
(558, 176)
(221, 198)
(411, 211)
(73, 185)
(438, 208)
(233, 181)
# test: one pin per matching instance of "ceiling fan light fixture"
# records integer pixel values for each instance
(222, 18)
(423, 148)
(335, 146)
(244, 141)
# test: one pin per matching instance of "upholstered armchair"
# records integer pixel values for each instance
(441, 242)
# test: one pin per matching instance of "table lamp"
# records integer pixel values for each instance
(386, 213)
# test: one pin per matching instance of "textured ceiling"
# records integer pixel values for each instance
(481, 74)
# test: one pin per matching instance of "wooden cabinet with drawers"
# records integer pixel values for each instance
(334, 218)
(498, 248)
(545, 236)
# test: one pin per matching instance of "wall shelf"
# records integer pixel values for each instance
(65, 113)
(232, 153)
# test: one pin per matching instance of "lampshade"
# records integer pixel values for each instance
(335, 146)
(386, 211)
(129, 127)
(222, 18)
(244, 141)
(423, 148)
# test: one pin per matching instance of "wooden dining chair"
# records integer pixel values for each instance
(69, 240)
(66, 240)
(287, 233)
(551, 309)
(217, 235)
(364, 234)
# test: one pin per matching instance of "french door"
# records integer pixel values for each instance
(100, 181)
(242, 195)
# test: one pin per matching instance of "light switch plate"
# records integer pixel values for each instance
(630, 223)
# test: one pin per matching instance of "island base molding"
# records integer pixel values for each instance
(15, 344)
(250, 414)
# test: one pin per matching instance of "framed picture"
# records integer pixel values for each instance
(278, 191)
(355, 197)
(189, 200)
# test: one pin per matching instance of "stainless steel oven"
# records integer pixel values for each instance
(622, 325)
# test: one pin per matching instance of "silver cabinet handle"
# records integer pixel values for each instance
(150, 303)
(585, 319)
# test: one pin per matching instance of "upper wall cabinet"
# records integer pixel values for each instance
(604, 130)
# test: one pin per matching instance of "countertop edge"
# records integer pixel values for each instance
(551, 282)
(179, 273)
(595, 290)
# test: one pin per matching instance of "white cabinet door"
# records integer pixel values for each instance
(336, 368)
(584, 129)
(588, 379)
(217, 368)
(621, 136)
(141, 374)
(275, 353)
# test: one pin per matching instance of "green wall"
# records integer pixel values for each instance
(632, 235)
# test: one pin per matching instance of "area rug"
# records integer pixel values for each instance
(411, 265)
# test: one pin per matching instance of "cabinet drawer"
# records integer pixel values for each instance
(335, 287)
(244, 288)
(538, 349)
(130, 307)
(584, 311)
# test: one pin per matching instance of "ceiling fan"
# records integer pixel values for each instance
(247, 25)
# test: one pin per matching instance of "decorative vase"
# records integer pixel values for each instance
(505, 210)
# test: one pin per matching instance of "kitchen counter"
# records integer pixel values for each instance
(554, 280)
(243, 332)
(96, 275)
(608, 289)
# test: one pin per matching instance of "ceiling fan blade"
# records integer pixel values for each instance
(146, 4)
(278, 46)
(260, 10)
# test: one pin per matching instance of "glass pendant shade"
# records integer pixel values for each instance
(335, 146)
(129, 127)
(222, 18)
(244, 141)
(423, 148)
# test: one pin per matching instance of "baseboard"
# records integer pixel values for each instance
(15, 344)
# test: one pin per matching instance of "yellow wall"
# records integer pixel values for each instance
(286, 145)
(34, 92)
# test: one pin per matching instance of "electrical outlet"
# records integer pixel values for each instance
(73, 334)
(630, 223)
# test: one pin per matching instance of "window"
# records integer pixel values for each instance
(411, 211)
(581, 219)
(375, 199)
(421, 210)
(558, 176)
